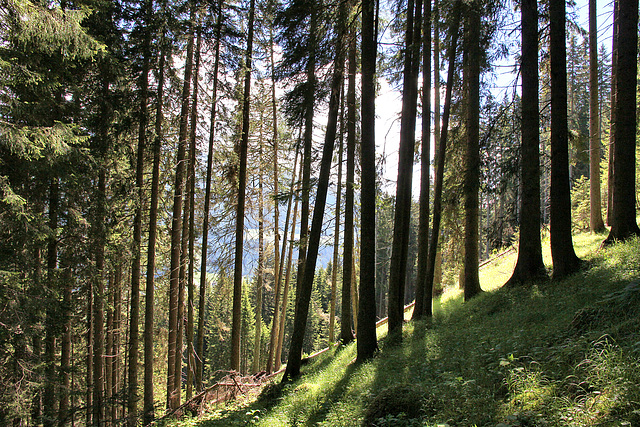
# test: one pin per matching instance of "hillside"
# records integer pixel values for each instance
(554, 353)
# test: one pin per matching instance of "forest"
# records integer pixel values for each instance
(195, 188)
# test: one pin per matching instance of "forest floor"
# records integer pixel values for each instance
(554, 353)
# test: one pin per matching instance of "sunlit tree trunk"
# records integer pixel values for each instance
(192, 232)
(336, 235)
(242, 183)
(471, 186)
(207, 203)
(303, 293)
(149, 353)
(173, 352)
(260, 279)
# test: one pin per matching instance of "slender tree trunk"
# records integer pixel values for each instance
(367, 341)
(596, 224)
(176, 227)
(307, 145)
(442, 149)
(117, 325)
(242, 183)
(65, 355)
(303, 293)
(207, 203)
(192, 237)
(134, 315)
(402, 214)
(283, 305)
(276, 210)
(346, 324)
(423, 295)
(149, 406)
(89, 355)
(613, 120)
(260, 280)
(565, 261)
(623, 215)
(529, 265)
(51, 380)
(277, 268)
(336, 235)
(98, 302)
(109, 349)
(471, 185)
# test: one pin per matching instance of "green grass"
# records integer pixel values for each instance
(562, 353)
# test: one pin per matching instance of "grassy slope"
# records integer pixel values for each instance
(552, 354)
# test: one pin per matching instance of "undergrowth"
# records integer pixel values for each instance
(562, 353)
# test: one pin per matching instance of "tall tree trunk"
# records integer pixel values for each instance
(149, 406)
(423, 295)
(596, 224)
(260, 280)
(109, 349)
(98, 300)
(529, 265)
(565, 261)
(442, 148)
(309, 103)
(89, 355)
(277, 268)
(367, 341)
(192, 237)
(207, 203)
(303, 293)
(471, 185)
(613, 121)
(51, 380)
(623, 215)
(236, 325)
(134, 314)
(176, 225)
(346, 324)
(406, 150)
(285, 292)
(117, 325)
(336, 235)
(65, 354)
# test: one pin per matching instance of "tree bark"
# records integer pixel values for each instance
(242, 182)
(471, 184)
(260, 279)
(402, 214)
(134, 314)
(285, 292)
(596, 224)
(346, 324)
(51, 380)
(623, 215)
(149, 407)
(336, 235)
(303, 293)
(565, 261)
(192, 232)
(367, 341)
(442, 149)
(176, 225)
(424, 296)
(529, 265)
(200, 360)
